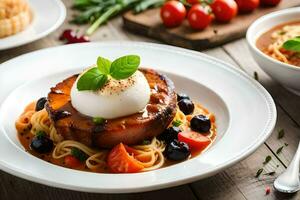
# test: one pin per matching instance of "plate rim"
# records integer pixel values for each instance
(198, 55)
(58, 23)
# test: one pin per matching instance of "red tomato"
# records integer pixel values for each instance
(172, 13)
(269, 2)
(71, 161)
(224, 10)
(247, 5)
(193, 1)
(199, 17)
(119, 161)
(194, 140)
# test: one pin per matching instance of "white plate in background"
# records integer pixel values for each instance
(48, 15)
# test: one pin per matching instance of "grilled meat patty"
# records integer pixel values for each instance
(129, 130)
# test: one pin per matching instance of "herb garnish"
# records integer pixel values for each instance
(98, 120)
(281, 133)
(80, 155)
(259, 171)
(255, 74)
(267, 160)
(96, 77)
(177, 123)
(40, 134)
(286, 144)
(146, 142)
(269, 173)
(292, 44)
(279, 150)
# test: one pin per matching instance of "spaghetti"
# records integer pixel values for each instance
(149, 155)
(271, 42)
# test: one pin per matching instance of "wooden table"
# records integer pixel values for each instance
(235, 183)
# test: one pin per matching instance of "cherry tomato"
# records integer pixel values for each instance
(269, 2)
(194, 140)
(224, 10)
(245, 6)
(172, 13)
(71, 161)
(199, 17)
(119, 160)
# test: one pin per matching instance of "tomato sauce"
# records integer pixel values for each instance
(266, 39)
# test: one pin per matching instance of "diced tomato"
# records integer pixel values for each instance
(195, 140)
(71, 161)
(119, 160)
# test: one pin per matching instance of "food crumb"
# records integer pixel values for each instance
(268, 190)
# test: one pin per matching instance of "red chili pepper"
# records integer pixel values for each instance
(268, 190)
(71, 36)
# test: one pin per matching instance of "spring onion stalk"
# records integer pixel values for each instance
(103, 18)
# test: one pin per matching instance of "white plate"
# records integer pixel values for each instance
(244, 110)
(48, 15)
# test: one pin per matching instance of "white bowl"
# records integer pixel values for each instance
(286, 74)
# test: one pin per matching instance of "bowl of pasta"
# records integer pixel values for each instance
(120, 117)
(273, 42)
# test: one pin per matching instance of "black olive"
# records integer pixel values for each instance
(181, 96)
(41, 144)
(169, 134)
(177, 151)
(40, 104)
(200, 123)
(186, 106)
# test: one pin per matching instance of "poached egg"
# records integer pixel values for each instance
(117, 98)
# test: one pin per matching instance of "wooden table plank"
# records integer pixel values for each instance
(14, 188)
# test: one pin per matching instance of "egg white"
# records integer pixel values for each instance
(117, 98)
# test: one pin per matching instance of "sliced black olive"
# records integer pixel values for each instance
(169, 134)
(41, 144)
(40, 104)
(186, 106)
(200, 123)
(181, 96)
(177, 151)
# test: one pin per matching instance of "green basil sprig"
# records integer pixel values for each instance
(292, 44)
(96, 77)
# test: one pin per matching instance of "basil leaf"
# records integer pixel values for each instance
(93, 79)
(124, 67)
(292, 44)
(103, 65)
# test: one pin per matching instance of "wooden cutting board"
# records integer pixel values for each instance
(149, 23)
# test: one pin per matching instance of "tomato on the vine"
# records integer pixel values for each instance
(247, 6)
(224, 10)
(172, 13)
(199, 16)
